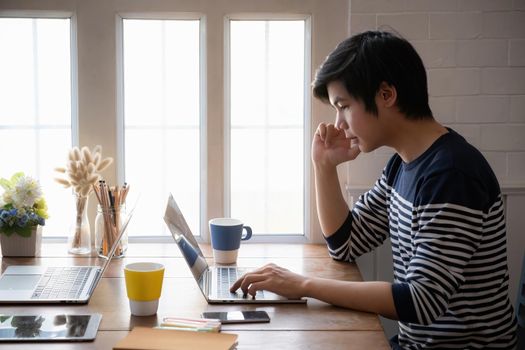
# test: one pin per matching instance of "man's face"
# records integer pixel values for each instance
(352, 117)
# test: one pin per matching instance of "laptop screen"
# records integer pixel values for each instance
(184, 238)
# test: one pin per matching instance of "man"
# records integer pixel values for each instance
(437, 200)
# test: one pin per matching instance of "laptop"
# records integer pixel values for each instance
(213, 281)
(31, 284)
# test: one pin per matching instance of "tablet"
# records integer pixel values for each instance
(48, 327)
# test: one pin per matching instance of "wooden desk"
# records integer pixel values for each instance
(316, 325)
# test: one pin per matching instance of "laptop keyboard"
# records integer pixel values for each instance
(62, 283)
(226, 277)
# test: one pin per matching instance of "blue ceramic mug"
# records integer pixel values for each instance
(226, 236)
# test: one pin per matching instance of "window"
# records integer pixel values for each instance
(35, 107)
(267, 134)
(162, 150)
(209, 100)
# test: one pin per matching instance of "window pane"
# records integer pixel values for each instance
(248, 200)
(267, 124)
(17, 85)
(285, 176)
(161, 120)
(54, 144)
(35, 107)
(247, 69)
(53, 57)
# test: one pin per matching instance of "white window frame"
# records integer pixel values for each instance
(97, 96)
(203, 143)
(263, 238)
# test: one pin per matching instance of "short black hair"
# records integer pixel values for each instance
(363, 61)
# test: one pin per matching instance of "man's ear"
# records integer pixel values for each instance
(387, 95)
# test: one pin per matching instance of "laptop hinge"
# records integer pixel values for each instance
(98, 274)
(206, 281)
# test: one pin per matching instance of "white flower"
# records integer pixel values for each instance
(26, 192)
(7, 196)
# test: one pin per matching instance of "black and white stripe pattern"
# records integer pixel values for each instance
(453, 260)
(369, 217)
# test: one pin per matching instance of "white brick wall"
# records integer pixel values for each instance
(481, 53)
(454, 25)
(445, 108)
(517, 52)
(454, 81)
(474, 52)
(411, 26)
(482, 109)
(517, 108)
(436, 53)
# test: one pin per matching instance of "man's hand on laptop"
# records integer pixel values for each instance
(272, 278)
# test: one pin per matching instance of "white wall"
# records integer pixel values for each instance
(474, 51)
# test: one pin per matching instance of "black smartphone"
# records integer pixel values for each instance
(227, 317)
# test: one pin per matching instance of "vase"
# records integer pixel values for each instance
(79, 238)
(16, 245)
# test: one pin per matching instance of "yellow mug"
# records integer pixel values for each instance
(144, 286)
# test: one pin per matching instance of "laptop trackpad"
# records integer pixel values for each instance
(19, 282)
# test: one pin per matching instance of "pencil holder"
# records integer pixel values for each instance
(108, 224)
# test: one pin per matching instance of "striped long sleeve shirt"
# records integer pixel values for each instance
(443, 213)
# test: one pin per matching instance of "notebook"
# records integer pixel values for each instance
(34, 284)
(142, 338)
(213, 281)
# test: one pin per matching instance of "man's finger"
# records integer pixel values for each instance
(254, 287)
(321, 131)
(330, 134)
(237, 284)
(249, 279)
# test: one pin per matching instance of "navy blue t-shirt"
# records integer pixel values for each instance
(444, 215)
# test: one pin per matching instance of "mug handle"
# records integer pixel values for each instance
(248, 233)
